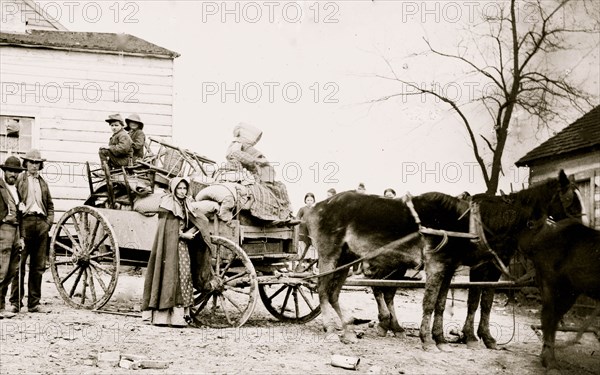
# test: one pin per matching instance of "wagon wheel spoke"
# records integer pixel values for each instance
(277, 292)
(202, 300)
(81, 233)
(236, 276)
(224, 308)
(235, 304)
(85, 276)
(71, 238)
(62, 262)
(102, 255)
(237, 290)
(63, 246)
(99, 267)
(296, 305)
(92, 286)
(285, 301)
(76, 282)
(86, 225)
(214, 303)
(97, 245)
(64, 279)
(100, 281)
(224, 271)
(94, 232)
(218, 262)
(305, 299)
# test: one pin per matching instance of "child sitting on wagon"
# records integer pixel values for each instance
(118, 152)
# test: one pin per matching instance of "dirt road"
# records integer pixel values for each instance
(65, 340)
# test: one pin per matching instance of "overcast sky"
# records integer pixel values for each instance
(304, 72)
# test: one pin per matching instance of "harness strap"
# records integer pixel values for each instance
(476, 228)
(371, 255)
(408, 201)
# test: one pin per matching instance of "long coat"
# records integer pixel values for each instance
(120, 146)
(138, 139)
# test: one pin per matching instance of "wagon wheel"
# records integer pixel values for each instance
(233, 288)
(84, 258)
(296, 301)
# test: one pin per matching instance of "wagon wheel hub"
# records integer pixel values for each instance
(217, 285)
(81, 257)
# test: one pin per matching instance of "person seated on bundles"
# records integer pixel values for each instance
(118, 152)
(138, 138)
(241, 151)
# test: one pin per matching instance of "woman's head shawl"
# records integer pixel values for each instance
(169, 202)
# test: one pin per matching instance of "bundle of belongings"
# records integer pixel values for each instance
(245, 183)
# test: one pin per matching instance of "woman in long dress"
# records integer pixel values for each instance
(168, 287)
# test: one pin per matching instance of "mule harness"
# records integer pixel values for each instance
(476, 232)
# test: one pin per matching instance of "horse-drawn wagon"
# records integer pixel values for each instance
(249, 258)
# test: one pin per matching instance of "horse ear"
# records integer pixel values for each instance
(563, 179)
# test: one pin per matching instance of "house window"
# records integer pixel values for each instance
(15, 135)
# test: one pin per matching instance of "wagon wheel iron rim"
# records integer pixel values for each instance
(233, 290)
(84, 258)
(294, 302)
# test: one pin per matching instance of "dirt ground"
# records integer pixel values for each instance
(65, 340)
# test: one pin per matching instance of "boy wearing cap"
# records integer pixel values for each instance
(10, 241)
(37, 210)
(119, 148)
(138, 138)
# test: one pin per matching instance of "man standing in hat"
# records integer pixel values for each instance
(138, 138)
(37, 210)
(10, 242)
(119, 148)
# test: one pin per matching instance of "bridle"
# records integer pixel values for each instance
(567, 200)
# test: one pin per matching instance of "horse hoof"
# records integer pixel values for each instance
(444, 348)
(381, 332)
(472, 344)
(348, 338)
(430, 347)
(491, 345)
(400, 334)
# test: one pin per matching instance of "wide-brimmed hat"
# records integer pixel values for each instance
(33, 155)
(115, 117)
(12, 163)
(134, 117)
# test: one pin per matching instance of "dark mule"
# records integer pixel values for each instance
(503, 220)
(566, 256)
(348, 226)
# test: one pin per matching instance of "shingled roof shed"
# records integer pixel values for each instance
(582, 136)
(576, 150)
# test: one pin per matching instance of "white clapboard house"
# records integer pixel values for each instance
(58, 87)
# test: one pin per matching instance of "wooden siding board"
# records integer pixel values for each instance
(94, 136)
(103, 61)
(75, 114)
(45, 76)
(56, 66)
